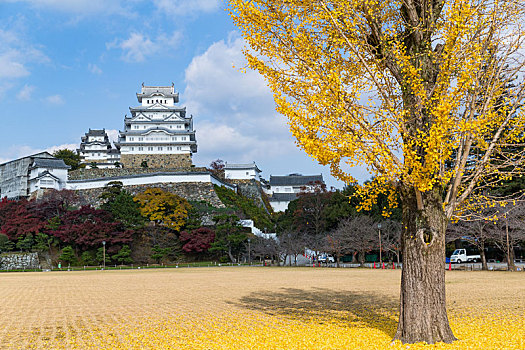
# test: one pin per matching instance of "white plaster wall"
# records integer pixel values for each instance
(174, 150)
(146, 180)
(282, 189)
(167, 101)
(279, 206)
(241, 174)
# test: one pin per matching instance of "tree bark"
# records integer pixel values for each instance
(484, 265)
(423, 314)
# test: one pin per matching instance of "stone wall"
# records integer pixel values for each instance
(252, 189)
(18, 261)
(191, 191)
(170, 161)
(89, 174)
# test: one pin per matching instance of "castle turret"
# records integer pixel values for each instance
(95, 150)
(158, 133)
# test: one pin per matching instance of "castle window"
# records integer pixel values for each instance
(179, 126)
(131, 138)
(141, 148)
(135, 126)
(159, 148)
(132, 148)
(170, 148)
(179, 148)
(150, 148)
(141, 138)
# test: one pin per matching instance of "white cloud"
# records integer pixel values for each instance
(235, 117)
(55, 100)
(16, 55)
(93, 68)
(69, 146)
(19, 151)
(112, 134)
(139, 46)
(184, 7)
(26, 93)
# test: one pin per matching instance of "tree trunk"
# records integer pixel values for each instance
(510, 259)
(361, 258)
(423, 314)
(230, 255)
(484, 265)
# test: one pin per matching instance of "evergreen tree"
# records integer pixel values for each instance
(68, 255)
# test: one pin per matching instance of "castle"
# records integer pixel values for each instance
(158, 134)
(154, 149)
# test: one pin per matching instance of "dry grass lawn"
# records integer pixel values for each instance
(243, 308)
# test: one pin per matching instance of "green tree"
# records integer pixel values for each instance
(123, 256)
(159, 253)
(5, 244)
(68, 255)
(44, 242)
(245, 207)
(25, 243)
(121, 205)
(87, 258)
(69, 157)
(229, 237)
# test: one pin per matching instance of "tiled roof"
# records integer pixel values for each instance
(241, 166)
(52, 163)
(294, 180)
(283, 197)
(95, 132)
(44, 174)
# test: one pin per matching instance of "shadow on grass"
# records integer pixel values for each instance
(352, 309)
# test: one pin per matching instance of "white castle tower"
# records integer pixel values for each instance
(158, 133)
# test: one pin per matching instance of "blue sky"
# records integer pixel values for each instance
(70, 65)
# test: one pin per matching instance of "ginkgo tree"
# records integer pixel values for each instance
(425, 93)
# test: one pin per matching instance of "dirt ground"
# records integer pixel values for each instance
(71, 309)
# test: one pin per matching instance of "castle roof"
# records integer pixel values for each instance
(248, 166)
(283, 197)
(150, 91)
(40, 155)
(50, 163)
(294, 180)
(96, 132)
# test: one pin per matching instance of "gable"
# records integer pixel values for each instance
(174, 117)
(141, 117)
(157, 106)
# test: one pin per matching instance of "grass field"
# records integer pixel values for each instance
(245, 308)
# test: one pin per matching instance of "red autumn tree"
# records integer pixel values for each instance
(21, 218)
(198, 240)
(88, 227)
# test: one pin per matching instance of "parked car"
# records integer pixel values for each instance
(460, 256)
(326, 258)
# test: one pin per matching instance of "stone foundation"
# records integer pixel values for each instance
(19, 261)
(170, 161)
(191, 191)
